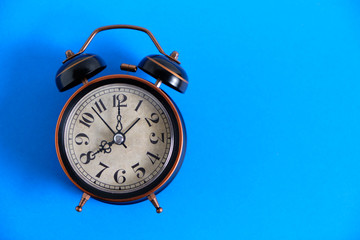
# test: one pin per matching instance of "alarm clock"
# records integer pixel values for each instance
(120, 138)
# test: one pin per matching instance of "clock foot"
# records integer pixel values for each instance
(83, 200)
(153, 200)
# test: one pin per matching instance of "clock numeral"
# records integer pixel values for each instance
(152, 157)
(118, 100)
(154, 139)
(105, 167)
(120, 178)
(100, 106)
(82, 138)
(87, 119)
(137, 106)
(139, 170)
(154, 118)
(88, 157)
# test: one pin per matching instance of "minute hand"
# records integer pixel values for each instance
(131, 125)
(103, 120)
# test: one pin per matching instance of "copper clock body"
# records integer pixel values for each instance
(89, 125)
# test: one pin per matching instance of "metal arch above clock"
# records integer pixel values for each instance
(120, 138)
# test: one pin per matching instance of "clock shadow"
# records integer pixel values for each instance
(31, 104)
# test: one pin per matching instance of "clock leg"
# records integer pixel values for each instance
(83, 200)
(153, 200)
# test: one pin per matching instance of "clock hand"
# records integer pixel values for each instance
(119, 138)
(115, 134)
(104, 147)
(118, 118)
(103, 120)
(131, 125)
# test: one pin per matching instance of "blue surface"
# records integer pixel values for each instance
(272, 112)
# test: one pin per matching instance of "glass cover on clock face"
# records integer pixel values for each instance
(118, 138)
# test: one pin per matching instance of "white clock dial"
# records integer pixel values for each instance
(118, 138)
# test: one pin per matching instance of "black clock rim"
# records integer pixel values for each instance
(121, 198)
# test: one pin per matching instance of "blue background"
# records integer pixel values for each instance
(272, 112)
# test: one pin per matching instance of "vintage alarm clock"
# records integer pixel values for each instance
(120, 138)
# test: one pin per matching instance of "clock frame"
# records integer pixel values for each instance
(167, 174)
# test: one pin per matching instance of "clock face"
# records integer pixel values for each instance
(118, 138)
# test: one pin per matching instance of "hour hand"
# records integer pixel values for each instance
(104, 147)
